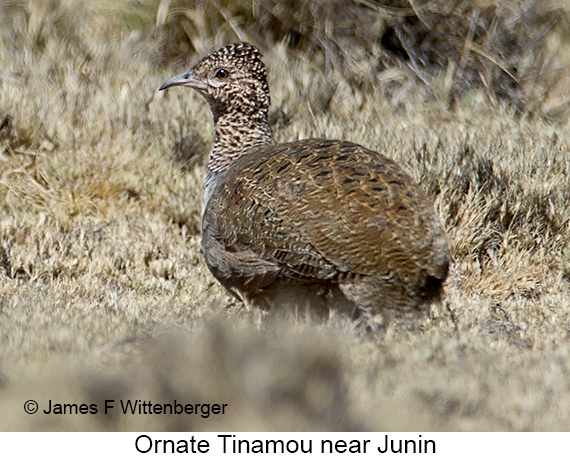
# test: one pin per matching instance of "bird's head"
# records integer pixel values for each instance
(231, 79)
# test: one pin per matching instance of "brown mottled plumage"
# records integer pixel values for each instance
(313, 222)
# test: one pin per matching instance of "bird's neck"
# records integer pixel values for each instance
(236, 133)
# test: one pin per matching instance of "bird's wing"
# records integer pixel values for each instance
(320, 209)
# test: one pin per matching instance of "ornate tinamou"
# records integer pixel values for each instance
(315, 223)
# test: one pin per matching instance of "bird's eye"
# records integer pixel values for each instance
(222, 73)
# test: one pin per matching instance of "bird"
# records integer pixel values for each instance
(313, 224)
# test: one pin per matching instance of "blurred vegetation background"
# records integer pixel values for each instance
(511, 50)
(507, 49)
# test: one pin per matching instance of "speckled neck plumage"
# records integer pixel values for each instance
(237, 130)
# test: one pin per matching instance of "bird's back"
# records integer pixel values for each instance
(327, 213)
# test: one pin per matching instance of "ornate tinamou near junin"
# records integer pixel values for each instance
(313, 223)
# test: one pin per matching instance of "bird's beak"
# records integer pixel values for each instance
(185, 79)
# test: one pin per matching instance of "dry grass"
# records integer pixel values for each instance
(103, 290)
